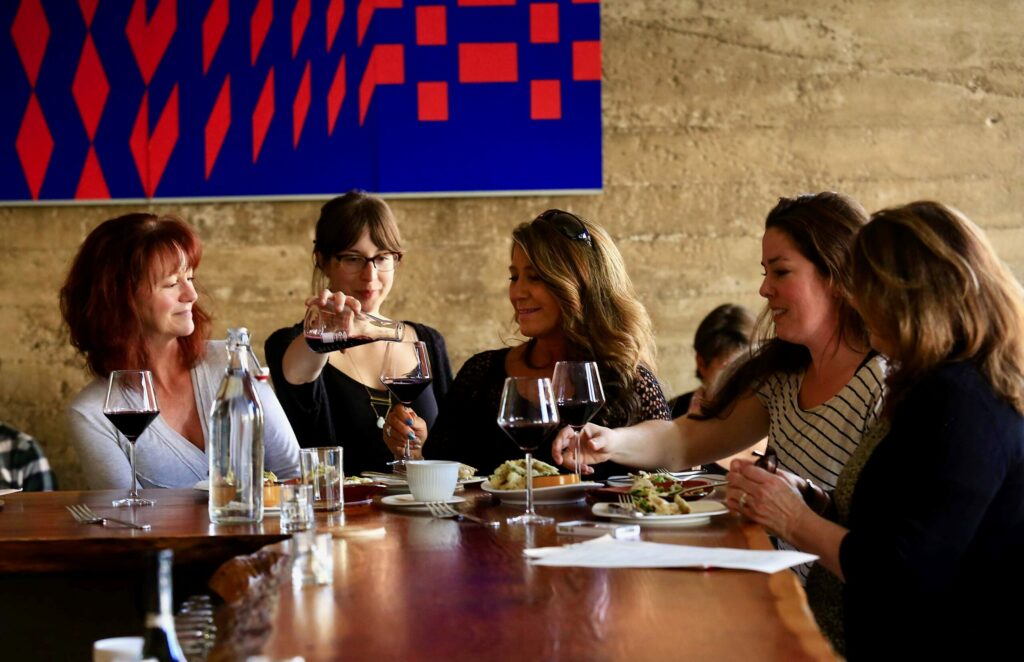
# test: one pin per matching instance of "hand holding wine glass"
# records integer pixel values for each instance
(131, 406)
(406, 373)
(528, 414)
(578, 391)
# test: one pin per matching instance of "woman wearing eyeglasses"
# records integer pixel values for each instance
(336, 398)
(572, 299)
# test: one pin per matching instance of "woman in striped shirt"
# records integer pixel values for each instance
(812, 385)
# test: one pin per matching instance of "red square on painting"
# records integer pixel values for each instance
(432, 101)
(431, 25)
(545, 99)
(586, 60)
(488, 63)
(544, 23)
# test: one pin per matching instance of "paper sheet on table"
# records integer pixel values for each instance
(606, 552)
(5, 492)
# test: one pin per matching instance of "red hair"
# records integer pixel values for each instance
(114, 265)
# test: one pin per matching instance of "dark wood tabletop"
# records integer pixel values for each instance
(410, 587)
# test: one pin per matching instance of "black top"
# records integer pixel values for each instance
(680, 404)
(467, 427)
(335, 410)
(933, 559)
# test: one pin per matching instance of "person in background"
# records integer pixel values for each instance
(722, 337)
(23, 466)
(573, 300)
(129, 302)
(925, 529)
(812, 385)
(337, 398)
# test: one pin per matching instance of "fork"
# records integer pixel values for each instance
(85, 515)
(627, 506)
(442, 510)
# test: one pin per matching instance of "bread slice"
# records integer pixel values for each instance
(553, 481)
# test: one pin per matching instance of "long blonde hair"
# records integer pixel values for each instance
(931, 287)
(602, 318)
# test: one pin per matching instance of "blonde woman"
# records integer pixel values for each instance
(573, 300)
(927, 525)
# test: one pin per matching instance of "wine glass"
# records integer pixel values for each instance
(528, 414)
(131, 406)
(578, 392)
(406, 373)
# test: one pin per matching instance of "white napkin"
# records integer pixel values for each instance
(606, 552)
(5, 492)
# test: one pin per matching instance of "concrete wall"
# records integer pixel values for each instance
(711, 111)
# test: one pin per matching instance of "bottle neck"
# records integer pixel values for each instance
(238, 359)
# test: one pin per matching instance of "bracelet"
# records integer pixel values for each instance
(816, 498)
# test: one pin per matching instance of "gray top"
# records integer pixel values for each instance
(163, 457)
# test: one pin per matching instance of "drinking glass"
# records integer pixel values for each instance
(322, 468)
(131, 406)
(406, 373)
(578, 391)
(528, 414)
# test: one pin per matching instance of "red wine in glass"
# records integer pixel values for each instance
(577, 414)
(577, 387)
(406, 389)
(529, 436)
(406, 373)
(131, 423)
(131, 406)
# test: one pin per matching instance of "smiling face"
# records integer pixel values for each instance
(802, 304)
(537, 311)
(165, 305)
(368, 285)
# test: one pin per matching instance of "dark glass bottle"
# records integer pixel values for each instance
(160, 640)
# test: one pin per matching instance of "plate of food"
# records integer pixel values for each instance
(358, 490)
(625, 480)
(508, 483)
(700, 512)
(665, 486)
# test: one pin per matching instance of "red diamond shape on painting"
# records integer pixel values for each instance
(90, 87)
(34, 146)
(30, 32)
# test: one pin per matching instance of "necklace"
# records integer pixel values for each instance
(375, 400)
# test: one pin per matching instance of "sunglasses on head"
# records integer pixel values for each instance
(568, 224)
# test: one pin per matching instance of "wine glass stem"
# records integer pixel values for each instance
(529, 483)
(577, 450)
(134, 492)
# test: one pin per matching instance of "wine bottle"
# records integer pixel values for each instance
(236, 441)
(329, 332)
(160, 641)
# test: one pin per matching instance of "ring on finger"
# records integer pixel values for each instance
(387, 431)
(743, 500)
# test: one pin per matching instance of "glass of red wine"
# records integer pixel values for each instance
(578, 391)
(131, 406)
(529, 415)
(328, 331)
(406, 373)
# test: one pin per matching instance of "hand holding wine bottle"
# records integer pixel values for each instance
(335, 321)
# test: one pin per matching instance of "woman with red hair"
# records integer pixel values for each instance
(130, 303)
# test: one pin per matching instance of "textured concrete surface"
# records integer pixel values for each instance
(711, 111)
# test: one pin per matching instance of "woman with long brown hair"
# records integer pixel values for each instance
(926, 525)
(337, 398)
(130, 302)
(573, 300)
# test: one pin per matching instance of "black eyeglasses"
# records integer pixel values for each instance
(568, 224)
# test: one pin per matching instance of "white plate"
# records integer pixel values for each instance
(702, 513)
(626, 481)
(557, 494)
(405, 501)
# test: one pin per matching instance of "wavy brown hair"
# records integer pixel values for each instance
(933, 290)
(823, 227)
(115, 265)
(342, 222)
(602, 318)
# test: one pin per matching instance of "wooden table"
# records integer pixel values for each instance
(439, 589)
